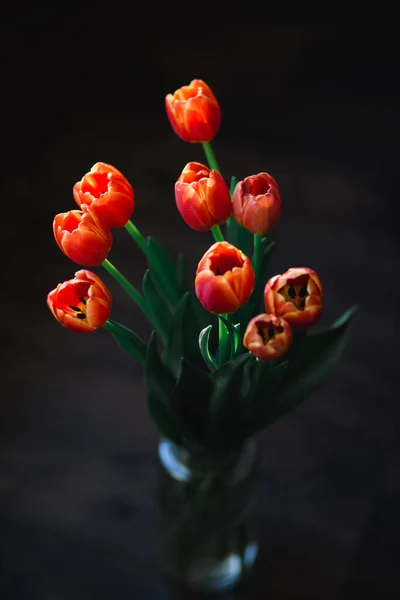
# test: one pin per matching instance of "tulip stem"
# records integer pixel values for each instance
(127, 286)
(217, 233)
(209, 152)
(223, 346)
(257, 254)
(137, 236)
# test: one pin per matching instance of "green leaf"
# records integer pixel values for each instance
(273, 378)
(159, 385)
(318, 354)
(250, 378)
(204, 337)
(182, 340)
(225, 401)
(157, 377)
(129, 341)
(189, 401)
(162, 419)
(199, 313)
(163, 271)
(160, 313)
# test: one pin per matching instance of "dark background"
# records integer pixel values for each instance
(317, 107)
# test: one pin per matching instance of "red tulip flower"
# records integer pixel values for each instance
(194, 112)
(296, 296)
(224, 278)
(257, 203)
(268, 337)
(107, 193)
(81, 304)
(202, 197)
(82, 237)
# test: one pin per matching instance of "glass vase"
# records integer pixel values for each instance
(206, 515)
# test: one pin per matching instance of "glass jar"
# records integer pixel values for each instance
(206, 515)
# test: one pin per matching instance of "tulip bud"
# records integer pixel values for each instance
(257, 203)
(268, 337)
(82, 237)
(82, 304)
(202, 197)
(194, 112)
(296, 296)
(107, 193)
(224, 278)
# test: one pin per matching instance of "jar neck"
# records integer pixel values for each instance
(184, 464)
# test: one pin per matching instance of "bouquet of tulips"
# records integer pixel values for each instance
(232, 348)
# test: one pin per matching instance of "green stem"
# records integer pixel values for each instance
(217, 233)
(209, 152)
(232, 185)
(127, 286)
(257, 254)
(224, 344)
(137, 236)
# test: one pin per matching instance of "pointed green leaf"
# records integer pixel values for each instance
(260, 381)
(157, 377)
(182, 340)
(226, 399)
(250, 379)
(163, 271)
(160, 312)
(204, 337)
(274, 377)
(129, 341)
(159, 384)
(189, 401)
(320, 352)
(199, 313)
(256, 302)
(162, 419)
(318, 347)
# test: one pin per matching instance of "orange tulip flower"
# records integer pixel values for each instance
(194, 112)
(268, 337)
(202, 197)
(224, 278)
(82, 304)
(296, 296)
(82, 237)
(257, 203)
(107, 193)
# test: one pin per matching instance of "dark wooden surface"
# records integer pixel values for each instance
(317, 108)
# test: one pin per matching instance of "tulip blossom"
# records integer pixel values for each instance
(81, 304)
(268, 337)
(107, 193)
(82, 237)
(224, 278)
(194, 112)
(257, 203)
(296, 296)
(202, 197)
